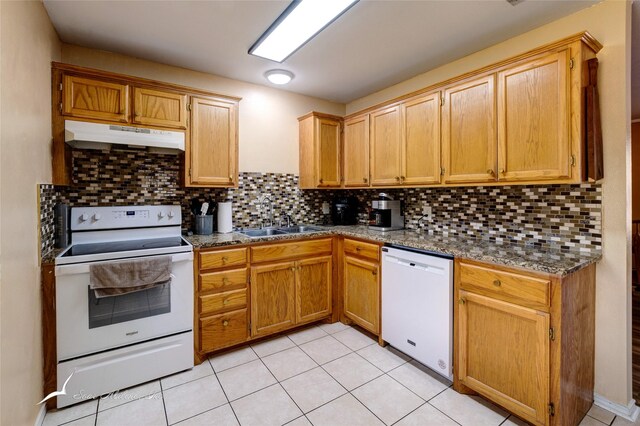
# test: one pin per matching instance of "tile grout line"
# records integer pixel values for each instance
(223, 392)
(164, 406)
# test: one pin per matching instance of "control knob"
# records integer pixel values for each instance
(171, 215)
(160, 215)
(84, 217)
(97, 216)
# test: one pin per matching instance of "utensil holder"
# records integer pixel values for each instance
(204, 224)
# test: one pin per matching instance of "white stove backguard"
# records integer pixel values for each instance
(124, 217)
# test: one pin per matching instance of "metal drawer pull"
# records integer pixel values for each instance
(462, 301)
(374, 272)
(358, 249)
(497, 283)
(225, 323)
(224, 259)
(225, 280)
(225, 302)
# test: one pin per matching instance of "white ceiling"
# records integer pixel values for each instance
(373, 45)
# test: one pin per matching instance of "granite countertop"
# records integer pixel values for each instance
(507, 254)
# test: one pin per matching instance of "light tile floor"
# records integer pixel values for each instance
(330, 375)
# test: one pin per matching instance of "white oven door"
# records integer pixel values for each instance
(86, 325)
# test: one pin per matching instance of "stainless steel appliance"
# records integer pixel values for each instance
(386, 214)
(417, 306)
(115, 342)
(344, 211)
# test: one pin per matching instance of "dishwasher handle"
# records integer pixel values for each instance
(415, 265)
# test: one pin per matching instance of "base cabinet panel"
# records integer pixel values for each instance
(313, 289)
(362, 293)
(272, 298)
(220, 331)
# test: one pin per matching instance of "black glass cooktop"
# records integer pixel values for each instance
(118, 246)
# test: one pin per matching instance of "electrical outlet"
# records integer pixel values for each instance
(427, 211)
(326, 208)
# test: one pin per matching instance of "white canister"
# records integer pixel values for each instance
(225, 222)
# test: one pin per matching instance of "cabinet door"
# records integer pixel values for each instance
(159, 108)
(95, 99)
(421, 140)
(213, 144)
(503, 353)
(313, 288)
(534, 140)
(469, 132)
(362, 293)
(272, 298)
(386, 146)
(328, 152)
(356, 151)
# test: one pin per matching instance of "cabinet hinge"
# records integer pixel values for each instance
(188, 107)
(571, 63)
(441, 171)
(442, 101)
(552, 334)
(573, 160)
(60, 106)
(552, 409)
(189, 171)
(60, 86)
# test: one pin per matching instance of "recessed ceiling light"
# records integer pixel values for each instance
(279, 76)
(299, 23)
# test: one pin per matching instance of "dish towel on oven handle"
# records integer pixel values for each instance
(118, 278)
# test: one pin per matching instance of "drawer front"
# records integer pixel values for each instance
(220, 331)
(223, 280)
(223, 258)
(223, 301)
(508, 286)
(359, 248)
(282, 251)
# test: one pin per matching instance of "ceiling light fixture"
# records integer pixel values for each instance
(279, 76)
(300, 22)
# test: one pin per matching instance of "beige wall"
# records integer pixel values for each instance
(268, 117)
(610, 23)
(28, 44)
(635, 170)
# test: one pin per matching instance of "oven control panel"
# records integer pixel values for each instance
(119, 217)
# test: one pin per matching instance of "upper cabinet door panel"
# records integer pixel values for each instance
(421, 147)
(95, 99)
(469, 131)
(159, 108)
(213, 142)
(328, 152)
(386, 146)
(534, 124)
(356, 151)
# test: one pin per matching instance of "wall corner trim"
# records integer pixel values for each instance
(629, 411)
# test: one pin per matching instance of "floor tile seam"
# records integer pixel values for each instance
(77, 418)
(410, 412)
(443, 413)
(341, 356)
(608, 424)
(197, 414)
(280, 384)
(242, 363)
(224, 392)
(125, 403)
(407, 388)
(368, 409)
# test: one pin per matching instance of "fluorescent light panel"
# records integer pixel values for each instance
(299, 23)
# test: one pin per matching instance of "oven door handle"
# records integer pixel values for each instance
(83, 268)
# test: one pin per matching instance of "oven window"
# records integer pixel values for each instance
(128, 307)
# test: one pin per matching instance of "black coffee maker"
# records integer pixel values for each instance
(344, 211)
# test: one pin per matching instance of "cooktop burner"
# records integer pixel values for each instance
(119, 246)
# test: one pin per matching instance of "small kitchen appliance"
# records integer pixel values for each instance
(113, 342)
(344, 211)
(386, 214)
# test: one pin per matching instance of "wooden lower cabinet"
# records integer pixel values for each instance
(313, 288)
(272, 298)
(526, 340)
(223, 330)
(362, 292)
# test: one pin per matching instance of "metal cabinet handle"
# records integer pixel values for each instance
(462, 301)
(225, 323)
(503, 171)
(374, 272)
(230, 178)
(225, 280)
(358, 249)
(497, 283)
(225, 302)
(397, 178)
(402, 179)
(490, 172)
(225, 259)
(293, 268)
(321, 180)
(365, 180)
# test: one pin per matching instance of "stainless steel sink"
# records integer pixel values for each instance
(267, 232)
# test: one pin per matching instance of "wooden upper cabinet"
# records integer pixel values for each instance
(212, 149)
(362, 292)
(272, 298)
(159, 108)
(313, 288)
(503, 353)
(386, 148)
(356, 151)
(469, 135)
(320, 146)
(95, 99)
(421, 140)
(534, 140)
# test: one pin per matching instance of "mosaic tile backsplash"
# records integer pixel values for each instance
(565, 217)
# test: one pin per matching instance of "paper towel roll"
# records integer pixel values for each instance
(225, 222)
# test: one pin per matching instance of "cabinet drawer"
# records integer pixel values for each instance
(223, 280)
(358, 248)
(223, 258)
(290, 250)
(219, 331)
(219, 301)
(508, 286)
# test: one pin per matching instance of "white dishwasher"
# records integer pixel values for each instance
(417, 306)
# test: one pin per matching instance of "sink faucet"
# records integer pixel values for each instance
(287, 217)
(261, 202)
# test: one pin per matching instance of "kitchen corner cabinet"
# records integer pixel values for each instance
(160, 108)
(525, 340)
(355, 154)
(320, 147)
(361, 281)
(212, 146)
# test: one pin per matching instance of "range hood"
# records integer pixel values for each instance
(80, 134)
